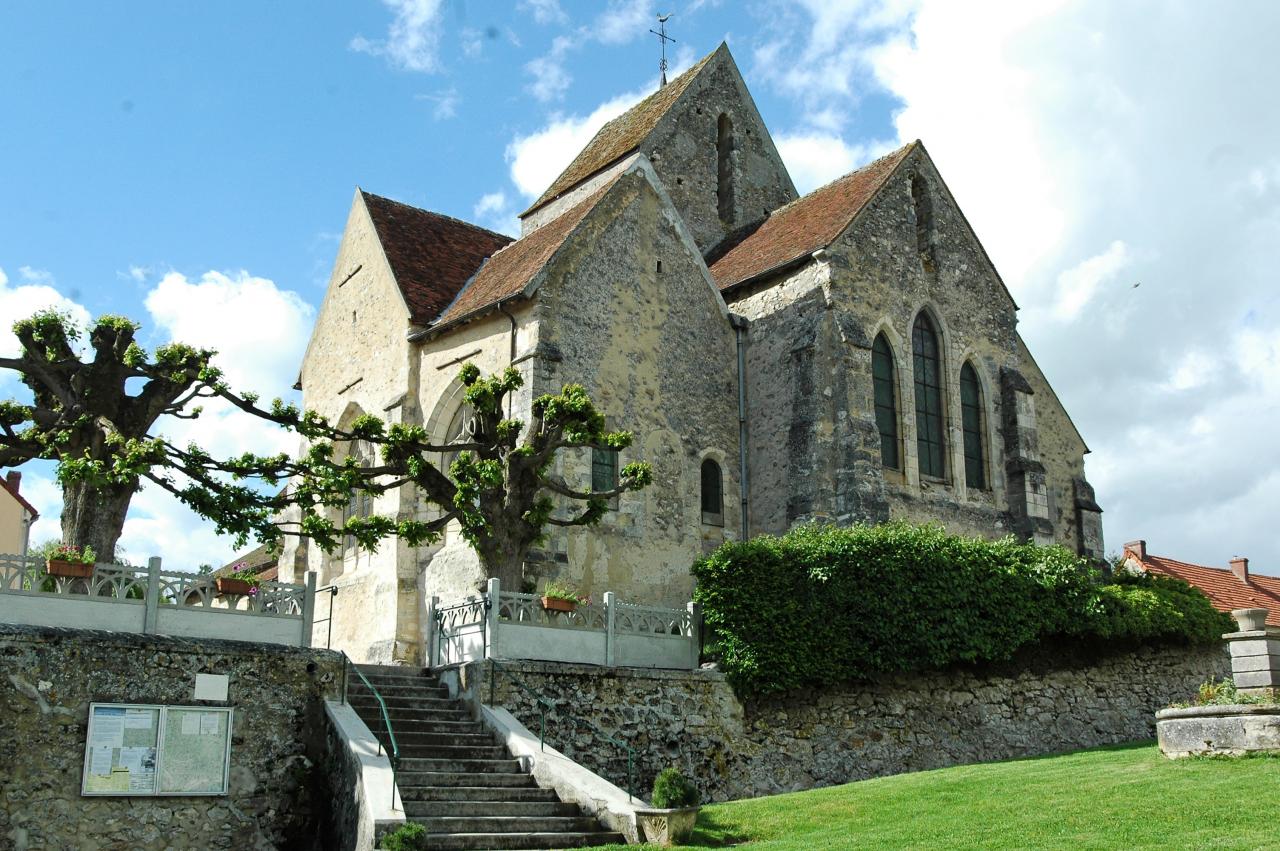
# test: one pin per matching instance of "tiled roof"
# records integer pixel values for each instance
(13, 492)
(620, 136)
(431, 255)
(805, 225)
(259, 560)
(508, 271)
(1221, 586)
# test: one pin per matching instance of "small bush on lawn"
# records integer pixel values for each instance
(410, 836)
(823, 603)
(672, 789)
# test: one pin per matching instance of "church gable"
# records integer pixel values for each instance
(707, 144)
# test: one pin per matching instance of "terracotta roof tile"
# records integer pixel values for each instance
(508, 271)
(1221, 586)
(431, 255)
(258, 559)
(620, 136)
(805, 225)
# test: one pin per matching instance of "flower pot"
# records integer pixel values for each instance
(229, 586)
(69, 569)
(666, 827)
(555, 604)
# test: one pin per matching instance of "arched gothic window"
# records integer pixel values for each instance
(975, 466)
(712, 493)
(930, 445)
(360, 503)
(884, 382)
(724, 167)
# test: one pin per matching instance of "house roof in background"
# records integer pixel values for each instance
(620, 136)
(432, 256)
(258, 559)
(798, 229)
(12, 490)
(1223, 588)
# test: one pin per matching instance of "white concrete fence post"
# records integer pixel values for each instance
(610, 637)
(695, 635)
(153, 595)
(491, 632)
(309, 608)
(433, 631)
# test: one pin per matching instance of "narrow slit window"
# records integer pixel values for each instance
(724, 167)
(712, 493)
(923, 206)
(930, 446)
(975, 465)
(884, 383)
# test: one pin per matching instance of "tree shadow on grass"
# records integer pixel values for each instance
(715, 831)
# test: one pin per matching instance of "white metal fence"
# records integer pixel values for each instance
(151, 600)
(509, 625)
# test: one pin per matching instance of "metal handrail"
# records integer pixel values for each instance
(544, 705)
(333, 592)
(386, 720)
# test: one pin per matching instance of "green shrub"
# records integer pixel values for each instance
(410, 836)
(672, 789)
(824, 603)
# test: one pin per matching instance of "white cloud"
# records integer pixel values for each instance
(413, 38)
(623, 21)
(446, 103)
(814, 158)
(544, 11)
(496, 212)
(1078, 285)
(538, 159)
(550, 79)
(25, 299)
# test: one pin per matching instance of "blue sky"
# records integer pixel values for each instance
(192, 166)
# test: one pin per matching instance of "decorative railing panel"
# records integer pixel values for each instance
(513, 625)
(167, 601)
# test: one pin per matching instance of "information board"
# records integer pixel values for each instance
(157, 750)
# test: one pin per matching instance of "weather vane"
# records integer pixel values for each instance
(661, 33)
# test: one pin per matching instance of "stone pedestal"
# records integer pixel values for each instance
(1255, 652)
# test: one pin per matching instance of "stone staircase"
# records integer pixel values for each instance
(457, 780)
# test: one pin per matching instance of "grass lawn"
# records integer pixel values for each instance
(1127, 796)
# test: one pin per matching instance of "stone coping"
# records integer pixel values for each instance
(529, 666)
(160, 642)
(1218, 711)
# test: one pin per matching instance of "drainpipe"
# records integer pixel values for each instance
(740, 332)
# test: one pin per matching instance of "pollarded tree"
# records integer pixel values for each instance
(83, 417)
(501, 489)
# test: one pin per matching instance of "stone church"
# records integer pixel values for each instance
(847, 356)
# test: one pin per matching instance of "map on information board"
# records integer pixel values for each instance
(122, 750)
(157, 750)
(195, 751)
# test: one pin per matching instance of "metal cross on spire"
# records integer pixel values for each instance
(661, 33)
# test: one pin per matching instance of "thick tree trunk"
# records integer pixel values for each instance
(503, 559)
(93, 517)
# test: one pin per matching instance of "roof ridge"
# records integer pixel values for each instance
(849, 174)
(438, 215)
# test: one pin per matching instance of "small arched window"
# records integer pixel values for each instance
(884, 382)
(975, 466)
(930, 446)
(712, 493)
(360, 503)
(923, 206)
(724, 167)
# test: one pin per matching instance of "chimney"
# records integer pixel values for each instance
(1240, 567)
(1137, 549)
(13, 478)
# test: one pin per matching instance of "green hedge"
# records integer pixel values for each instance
(824, 603)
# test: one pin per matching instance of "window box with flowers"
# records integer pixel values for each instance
(240, 582)
(71, 562)
(561, 598)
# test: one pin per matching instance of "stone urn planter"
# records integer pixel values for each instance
(69, 569)
(1232, 730)
(666, 827)
(232, 587)
(1250, 620)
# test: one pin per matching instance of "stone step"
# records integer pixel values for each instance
(426, 693)
(402, 721)
(487, 794)
(422, 810)
(467, 841)
(476, 766)
(372, 671)
(453, 753)
(427, 736)
(461, 778)
(509, 824)
(409, 702)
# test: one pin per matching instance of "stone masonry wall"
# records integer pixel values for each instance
(1053, 701)
(48, 677)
